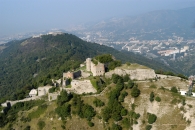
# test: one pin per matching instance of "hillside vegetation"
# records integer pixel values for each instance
(123, 104)
(32, 62)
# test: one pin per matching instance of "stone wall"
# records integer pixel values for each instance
(88, 64)
(43, 90)
(53, 96)
(138, 74)
(72, 75)
(98, 69)
(68, 75)
(81, 86)
(85, 74)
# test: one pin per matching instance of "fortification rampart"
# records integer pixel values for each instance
(80, 87)
(138, 74)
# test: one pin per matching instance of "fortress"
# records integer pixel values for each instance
(97, 70)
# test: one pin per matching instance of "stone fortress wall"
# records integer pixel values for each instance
(81, 86)
(97, 70)
(71, 75)
(138, 74)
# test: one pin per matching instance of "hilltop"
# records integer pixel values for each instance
(119, 103)
(31, 62)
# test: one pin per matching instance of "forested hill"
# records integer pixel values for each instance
(29, 63)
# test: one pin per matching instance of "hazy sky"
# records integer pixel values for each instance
(18, 16)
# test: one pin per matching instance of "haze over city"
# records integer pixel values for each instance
(23, 16)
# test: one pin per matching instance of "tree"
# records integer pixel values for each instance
(116, 127)
(105, 58)
(91, 124)
(158, 99)
(124, 112)
(151, 118)
(148, 127)
(115, 78)
(126, 122)
(27, 128)
(116, 116)
(182, 76)
(112, 65)
(98, 103)
(64, 110)
(88, 112)
(151, 96)
(135, 92)
(63, 98)
(130, 84)
(106, 114)
(126, 78)
(51, 90)
(174, 90)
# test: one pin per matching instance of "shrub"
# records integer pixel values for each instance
(88, 112)
(112, 65)
(126, 78)
(152, 86)
(174, 90)
(115, 78)
(135, 122)
(130, 84)
(40, 110)
(148, 127)
(123, 112)
(151, 118)
(63, 127)
(182, 76)
(41, 124)
(135, 92)
(51, 90)
(116, 127)
(151, 96)
(126, 122)
(133, 106)
(91, 124)
(158, 99)
(27, 128)
(128, 63)
(116, 116)
(98, 103)
(63, 111)
(135, 115)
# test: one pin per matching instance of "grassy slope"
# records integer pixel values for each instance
(168, 113)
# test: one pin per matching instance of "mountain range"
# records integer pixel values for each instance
(161, 24)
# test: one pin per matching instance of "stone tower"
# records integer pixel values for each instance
(88, 64)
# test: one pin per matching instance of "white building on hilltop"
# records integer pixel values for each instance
(33, 93)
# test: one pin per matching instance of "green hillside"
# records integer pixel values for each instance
(31, 62)
(124, 104)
